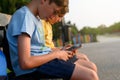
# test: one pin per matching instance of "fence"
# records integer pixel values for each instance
(78, 39)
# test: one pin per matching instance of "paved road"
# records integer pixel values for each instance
(106, 55)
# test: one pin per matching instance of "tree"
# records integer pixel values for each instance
(57, 30)
(10, 6)
(74, 29)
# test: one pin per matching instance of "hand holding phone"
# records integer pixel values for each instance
(73, 47)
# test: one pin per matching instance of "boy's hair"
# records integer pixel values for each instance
(63, 4)
(60, 3)
(64, 10)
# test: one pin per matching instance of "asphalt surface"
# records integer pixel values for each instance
(106, 55)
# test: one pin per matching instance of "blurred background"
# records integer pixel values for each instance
(86, 24)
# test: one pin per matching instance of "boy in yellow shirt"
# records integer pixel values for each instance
(83, 59)
(48, 33)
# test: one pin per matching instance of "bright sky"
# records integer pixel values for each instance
(93, 12)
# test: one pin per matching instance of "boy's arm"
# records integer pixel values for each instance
(27, 61)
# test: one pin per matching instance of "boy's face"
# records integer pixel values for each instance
(54, 19)
(46, 10)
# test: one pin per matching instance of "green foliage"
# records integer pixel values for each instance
(114, 28)
(102, 29)
(10, 6)
(74, 29)
(57, 30)
(88, 30)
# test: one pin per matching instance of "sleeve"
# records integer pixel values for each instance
(22, 22)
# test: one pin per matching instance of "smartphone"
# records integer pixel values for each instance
(74, 47)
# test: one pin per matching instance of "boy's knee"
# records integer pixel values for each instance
(93, 66)
(92, 75)
(82, 57)
(83, 73)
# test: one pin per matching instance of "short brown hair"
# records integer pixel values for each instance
(63, 4)
(60, 3)
(63, 11)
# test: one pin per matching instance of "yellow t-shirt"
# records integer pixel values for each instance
(48, 34)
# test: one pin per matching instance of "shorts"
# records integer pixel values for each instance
(57, 68)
